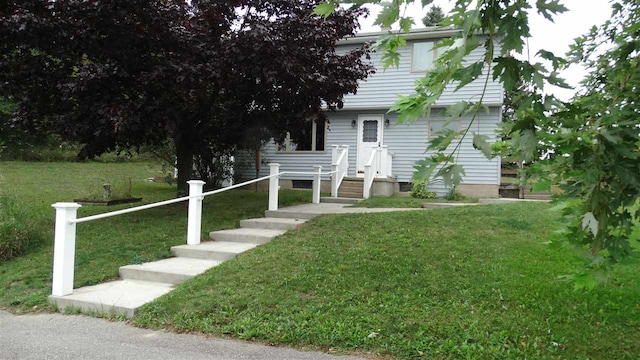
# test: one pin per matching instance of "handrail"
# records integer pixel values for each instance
(168, 202)
(66, 221)
(370, 170)
(339, 166)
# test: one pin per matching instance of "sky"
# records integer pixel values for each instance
(555, 37)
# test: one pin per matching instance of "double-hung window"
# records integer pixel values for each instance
(423, 55)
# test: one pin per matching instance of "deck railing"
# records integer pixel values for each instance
(339, 166)
(66, 220)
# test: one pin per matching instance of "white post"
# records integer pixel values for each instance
(194, 220)
(334, 154)
(378, 162)
(317, 169)
(334, 180)
(345, 149)
(274, 186)
(384, 159)
(64, 248)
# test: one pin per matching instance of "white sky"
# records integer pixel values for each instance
(555, 37)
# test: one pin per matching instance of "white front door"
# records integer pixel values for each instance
(369, 137)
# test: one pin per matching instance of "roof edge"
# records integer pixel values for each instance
(434, 32)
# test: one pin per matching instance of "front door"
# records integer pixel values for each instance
(369, 137)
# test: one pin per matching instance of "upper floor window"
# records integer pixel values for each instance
(423, 56)
(307, 139)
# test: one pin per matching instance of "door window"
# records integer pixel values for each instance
(370, 131)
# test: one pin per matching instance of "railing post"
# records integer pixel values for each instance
(64, 248)
(194, 220)
(334, 180)
(366, 189)
(384, 158)
(345, 149)
(274, 186)
(334, 154)
(317, 170)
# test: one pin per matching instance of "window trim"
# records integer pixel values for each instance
(433, 51)
(314, 133)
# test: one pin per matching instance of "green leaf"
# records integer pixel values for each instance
(481, 142)
(528, 143)
(389, 14)
(468, 74)
(426, 3)
(589, 221)
(550, 8)
(451, 175)
(584, 281)
(442, 141)
(405, 24)
(542, 185)
(324, 9)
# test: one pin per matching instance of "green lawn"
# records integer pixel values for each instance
(405, 202)
(104, 245)
(475, 282)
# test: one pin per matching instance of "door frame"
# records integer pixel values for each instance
(359, 142)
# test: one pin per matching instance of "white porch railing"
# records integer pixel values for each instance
(379, 165)
(339, 166)
(66, 220)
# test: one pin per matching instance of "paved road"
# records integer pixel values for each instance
(55, 336)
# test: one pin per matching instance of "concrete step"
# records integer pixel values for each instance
(271, 223)
(351, 187)
(212, 250)
(169, 271)
(351, 195)
(247, 235)
(288, 214)
(115, 297)
(340, 200)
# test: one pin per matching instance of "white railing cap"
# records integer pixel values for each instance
(66, 205)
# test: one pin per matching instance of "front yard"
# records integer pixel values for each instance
(470, 282)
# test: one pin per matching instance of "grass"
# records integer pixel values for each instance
(472, 282)
(104, 245)
(404, 202)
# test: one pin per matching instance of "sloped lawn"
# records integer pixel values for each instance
(102, 246)
(475, 282)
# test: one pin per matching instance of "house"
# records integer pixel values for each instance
(365, 126)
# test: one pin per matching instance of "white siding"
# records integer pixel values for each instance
(381, 90)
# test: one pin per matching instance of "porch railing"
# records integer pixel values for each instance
(66, 220)
(377, 166)
(339, 166)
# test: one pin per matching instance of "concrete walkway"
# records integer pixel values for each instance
(307, 211)
(70, 337)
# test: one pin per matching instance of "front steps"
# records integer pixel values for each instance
(142, 283)
(351, 188)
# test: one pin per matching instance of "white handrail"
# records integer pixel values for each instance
(339, 167)
(66, 221)
(370, 170)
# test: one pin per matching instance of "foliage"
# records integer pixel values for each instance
(434, 16)
(18, 233)
(590, 145)
(473, 282)
(455, 195)
(419, 191)
(122, 73)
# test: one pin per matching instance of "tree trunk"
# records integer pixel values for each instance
(184, 162)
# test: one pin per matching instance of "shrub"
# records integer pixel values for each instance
(419, 191)
(455, 195)
(17, 233)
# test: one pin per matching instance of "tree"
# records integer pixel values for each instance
(593, 142)
(118, 73)
(434, 16)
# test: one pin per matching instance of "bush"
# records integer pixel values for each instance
(455, 195)
(419, 191)
(17, 233)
